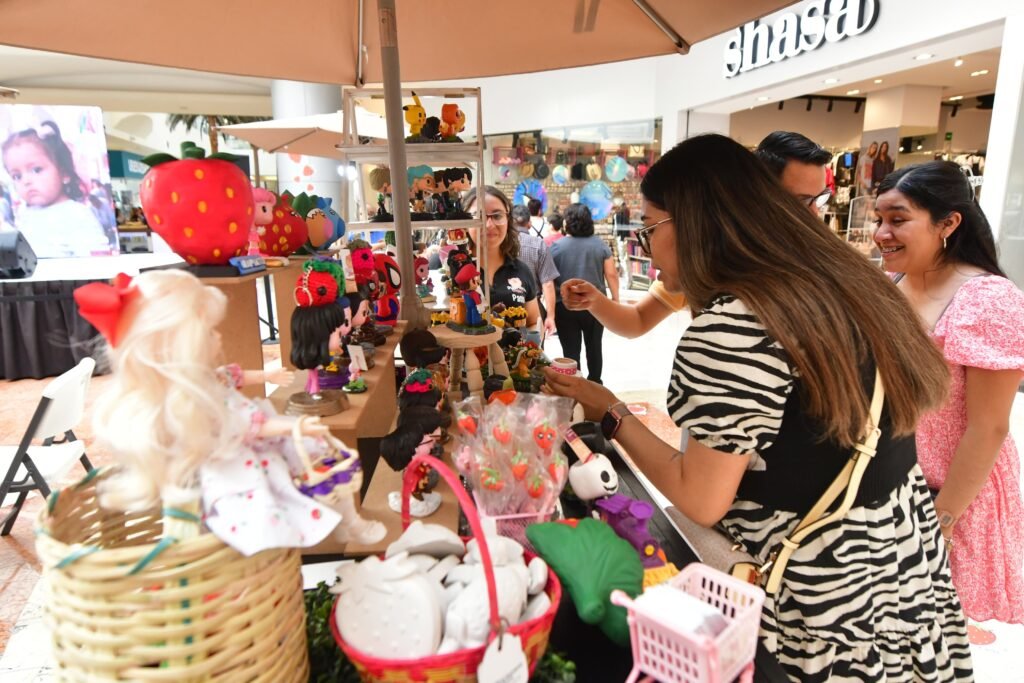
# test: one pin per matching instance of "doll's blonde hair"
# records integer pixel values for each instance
(165, 411)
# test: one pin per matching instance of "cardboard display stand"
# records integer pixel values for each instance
(240, 329)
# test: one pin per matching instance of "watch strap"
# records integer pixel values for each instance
(612, 420)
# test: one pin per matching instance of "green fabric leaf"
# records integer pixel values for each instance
(225, 156)
(303, 204)
(592, 561)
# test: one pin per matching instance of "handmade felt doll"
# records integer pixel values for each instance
(321, 320)
(263, 215)
(179, 429)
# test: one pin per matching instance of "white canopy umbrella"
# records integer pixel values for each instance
(315, 135)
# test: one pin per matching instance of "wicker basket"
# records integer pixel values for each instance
(460, 666)
(123, 603)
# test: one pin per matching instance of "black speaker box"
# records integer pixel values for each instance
(17, 260)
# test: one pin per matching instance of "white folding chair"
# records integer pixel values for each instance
(30, 468)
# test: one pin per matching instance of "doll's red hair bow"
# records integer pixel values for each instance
(102, 304)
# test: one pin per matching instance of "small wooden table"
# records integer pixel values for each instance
(371, 413)
(462, 346)
(240, 329)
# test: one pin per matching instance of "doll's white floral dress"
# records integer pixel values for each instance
(249, 499)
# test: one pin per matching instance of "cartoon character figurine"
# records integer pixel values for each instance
(468, 280)
(418, 433)
(424, 285)
(453, 122)
(380, 181)
(322, 318)
(390, 283)
(421, 185)
(181, 433)
(263, 215)
(415, 116)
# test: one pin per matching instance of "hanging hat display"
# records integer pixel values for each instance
(577, 171)
(594, 171)
(526, 170)
(541, 169)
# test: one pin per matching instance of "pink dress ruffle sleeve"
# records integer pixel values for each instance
(983, 327)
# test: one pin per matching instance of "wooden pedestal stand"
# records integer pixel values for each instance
(462, 346)
(240, 329)
(284, 300)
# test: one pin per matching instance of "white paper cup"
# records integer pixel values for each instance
(565, 366)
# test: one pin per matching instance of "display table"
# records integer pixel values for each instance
(41, 333)
(371, 413)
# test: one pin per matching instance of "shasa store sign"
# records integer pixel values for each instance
(754, 44)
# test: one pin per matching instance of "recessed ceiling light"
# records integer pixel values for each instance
(762, 98)
(853, 92)
(956, 98)
(920, 147)
(982, 72)
(901, 148)
(959, 62)
(878, 80)
(923, 56)
(830, 81)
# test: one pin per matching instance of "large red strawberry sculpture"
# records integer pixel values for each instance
(286, 232)
(201, 206)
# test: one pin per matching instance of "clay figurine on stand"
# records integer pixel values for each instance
(415, 116)
(424, 285)
(421, 186)
(390, 278)
(184, 438)
(321, 319)
(380, 181)
(419, 391)
(418, 433)
(263, 215)
(457, 180)
(467, 309)
(453, 122)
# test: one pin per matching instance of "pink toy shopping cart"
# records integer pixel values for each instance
(670, 655)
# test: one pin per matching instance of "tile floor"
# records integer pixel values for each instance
(637, 370)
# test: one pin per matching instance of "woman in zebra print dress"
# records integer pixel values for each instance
(771, 381)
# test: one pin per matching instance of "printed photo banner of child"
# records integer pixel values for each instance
(55, 180)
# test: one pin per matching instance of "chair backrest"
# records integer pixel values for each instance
(67, 400)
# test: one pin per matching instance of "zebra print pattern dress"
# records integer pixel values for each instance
(870, 598)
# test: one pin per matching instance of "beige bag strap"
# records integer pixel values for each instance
(849, 479)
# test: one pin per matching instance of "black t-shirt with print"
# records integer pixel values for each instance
(513, 284)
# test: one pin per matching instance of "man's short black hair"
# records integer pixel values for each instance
(535, 207)
(779, 148)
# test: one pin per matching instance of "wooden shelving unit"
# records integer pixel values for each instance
(634, 262)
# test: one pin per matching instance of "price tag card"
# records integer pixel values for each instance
(357, 356)
(504, 662)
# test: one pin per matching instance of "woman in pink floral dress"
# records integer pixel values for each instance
(934, 236)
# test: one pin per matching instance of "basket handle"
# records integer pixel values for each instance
(409, 483)
(312, 476)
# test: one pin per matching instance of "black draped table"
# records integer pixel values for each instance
(41, 333)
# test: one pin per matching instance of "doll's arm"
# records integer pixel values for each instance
(280, 377)
(279, 425)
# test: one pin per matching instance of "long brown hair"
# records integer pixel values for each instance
(509, 248)
(739, 232)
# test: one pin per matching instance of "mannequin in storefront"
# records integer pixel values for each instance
(932, 232)
(774, 408)
(798, 163)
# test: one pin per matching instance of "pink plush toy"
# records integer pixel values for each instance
(263, 215)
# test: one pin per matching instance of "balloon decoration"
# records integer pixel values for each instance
(560, 174)
(616, 169)
(596, 196)
(533, 189)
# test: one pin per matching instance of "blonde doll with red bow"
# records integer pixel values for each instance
(179, 428)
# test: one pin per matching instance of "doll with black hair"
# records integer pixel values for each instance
(418, 433)
(419, 391)
(321, 320)
(456, 181)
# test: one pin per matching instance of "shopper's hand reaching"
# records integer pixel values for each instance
(579, 295)
(595, 398)
(549, 325)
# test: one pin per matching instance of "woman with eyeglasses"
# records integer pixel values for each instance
(932, 232)
(772, 381)
(510, 281)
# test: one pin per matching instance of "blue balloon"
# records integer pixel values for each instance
(616, 169)
(597, 196)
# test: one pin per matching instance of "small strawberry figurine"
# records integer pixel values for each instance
(519, 465)
(535, 487)
(467, 423)
(201, 206)
(490, 478)
(502, 434)
(286, 232)
(556, 468)
(544, 437)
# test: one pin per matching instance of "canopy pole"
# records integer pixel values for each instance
(255, 163)
(412, 308)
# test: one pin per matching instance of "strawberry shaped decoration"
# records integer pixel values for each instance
(286, 232)
(202, 207)
(491, 480)
(535, 487)
(519, 466)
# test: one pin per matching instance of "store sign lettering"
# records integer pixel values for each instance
(754, 45)
(137, 167)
